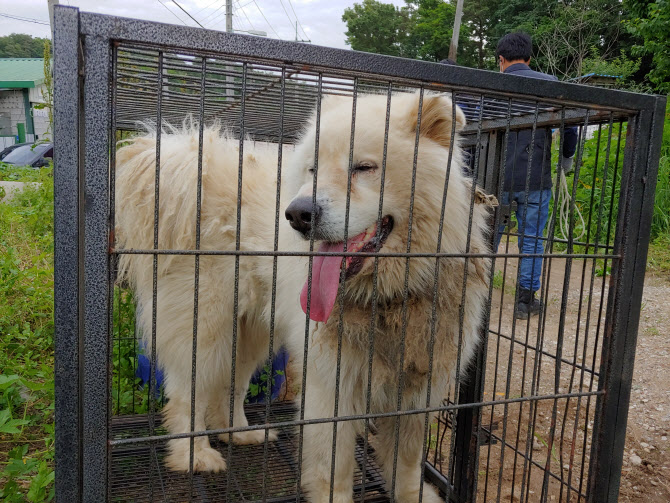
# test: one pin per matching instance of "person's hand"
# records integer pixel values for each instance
(566, 165)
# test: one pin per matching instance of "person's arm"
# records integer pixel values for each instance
(570, 138)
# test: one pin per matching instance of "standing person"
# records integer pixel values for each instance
(531, 191)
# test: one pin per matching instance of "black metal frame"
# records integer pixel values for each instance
(87, 112)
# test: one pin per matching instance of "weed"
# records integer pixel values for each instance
(26, 338)
(652, 331)
(658, 259)
(498, 280)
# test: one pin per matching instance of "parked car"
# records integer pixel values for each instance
(30, 154)
(10, 149)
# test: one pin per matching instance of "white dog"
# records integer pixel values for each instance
(216, 293)
(366, 232)
(445, 334)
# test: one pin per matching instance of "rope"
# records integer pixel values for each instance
(562, 200)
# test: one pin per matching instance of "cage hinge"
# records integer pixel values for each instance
(506, 213)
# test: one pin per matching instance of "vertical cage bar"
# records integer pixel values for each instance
(636, 206)
(114, 308)
(196, 279)
(340, 324)
(67, 253)
(97, 51)
(602, 288)
(273, 299)
(236, 291)
(403, 332)
(470, 389)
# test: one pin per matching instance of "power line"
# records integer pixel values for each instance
(245, 15)
(214, 20)
(237, 25)
(243, 6)
(266, 19)
(297, 20)
(286, 12)
(208, 16)
(185, 12)
(170, 11)
(26, 19)
(205, 8)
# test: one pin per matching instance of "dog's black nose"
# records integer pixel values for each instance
(299, 214)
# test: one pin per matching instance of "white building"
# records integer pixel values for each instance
(21, 88)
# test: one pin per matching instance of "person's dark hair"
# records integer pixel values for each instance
(515, 46)
(448, 61)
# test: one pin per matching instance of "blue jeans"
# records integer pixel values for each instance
(531, 214)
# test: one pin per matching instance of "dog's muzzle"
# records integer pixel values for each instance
(299, 214)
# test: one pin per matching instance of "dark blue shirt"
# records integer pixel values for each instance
(519, 147)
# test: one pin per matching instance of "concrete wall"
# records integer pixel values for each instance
(12, 111)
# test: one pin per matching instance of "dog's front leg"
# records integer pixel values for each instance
(177, 419)
(219, 414)
(408, 469)
(317, 451)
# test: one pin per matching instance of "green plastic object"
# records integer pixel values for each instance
(21, 128)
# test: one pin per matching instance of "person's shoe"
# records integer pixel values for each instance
(526, 305)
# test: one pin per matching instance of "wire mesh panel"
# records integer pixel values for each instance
(302, 273)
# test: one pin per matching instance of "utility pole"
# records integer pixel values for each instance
(453, 48)
(51, 4)
(296, 34)
(229, 16)
(229, 28)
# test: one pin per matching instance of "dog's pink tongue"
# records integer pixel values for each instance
(325, 283)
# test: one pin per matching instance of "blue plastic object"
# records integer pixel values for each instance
(279, 363)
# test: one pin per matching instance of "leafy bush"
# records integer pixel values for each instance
(598, 189)
(26, 338)
(128, 395)
(660, 225)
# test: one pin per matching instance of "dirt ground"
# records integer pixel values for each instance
(648, 478)
(554, 436)
(646, 473)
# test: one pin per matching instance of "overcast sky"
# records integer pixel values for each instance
(321, 19)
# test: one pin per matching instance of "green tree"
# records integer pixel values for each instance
(421, 29)
(432, 28)
(564, 33)
(377, 27)
(18, 45)
(479, 17)
(622, 66)
(650, 21)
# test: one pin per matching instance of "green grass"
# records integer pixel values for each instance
(658, 259)
(26, 339)
(660, 225)
(11, 173)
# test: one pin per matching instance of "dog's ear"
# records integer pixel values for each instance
(438, 114)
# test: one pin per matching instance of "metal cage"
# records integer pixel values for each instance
(542, 411)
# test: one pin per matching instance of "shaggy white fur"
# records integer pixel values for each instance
(442, 333)
(216, 324)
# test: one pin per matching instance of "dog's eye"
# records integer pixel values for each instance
(364, 166)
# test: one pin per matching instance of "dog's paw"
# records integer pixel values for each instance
(430, 495)
(249, 437)
(205, 459)
(338, 497)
